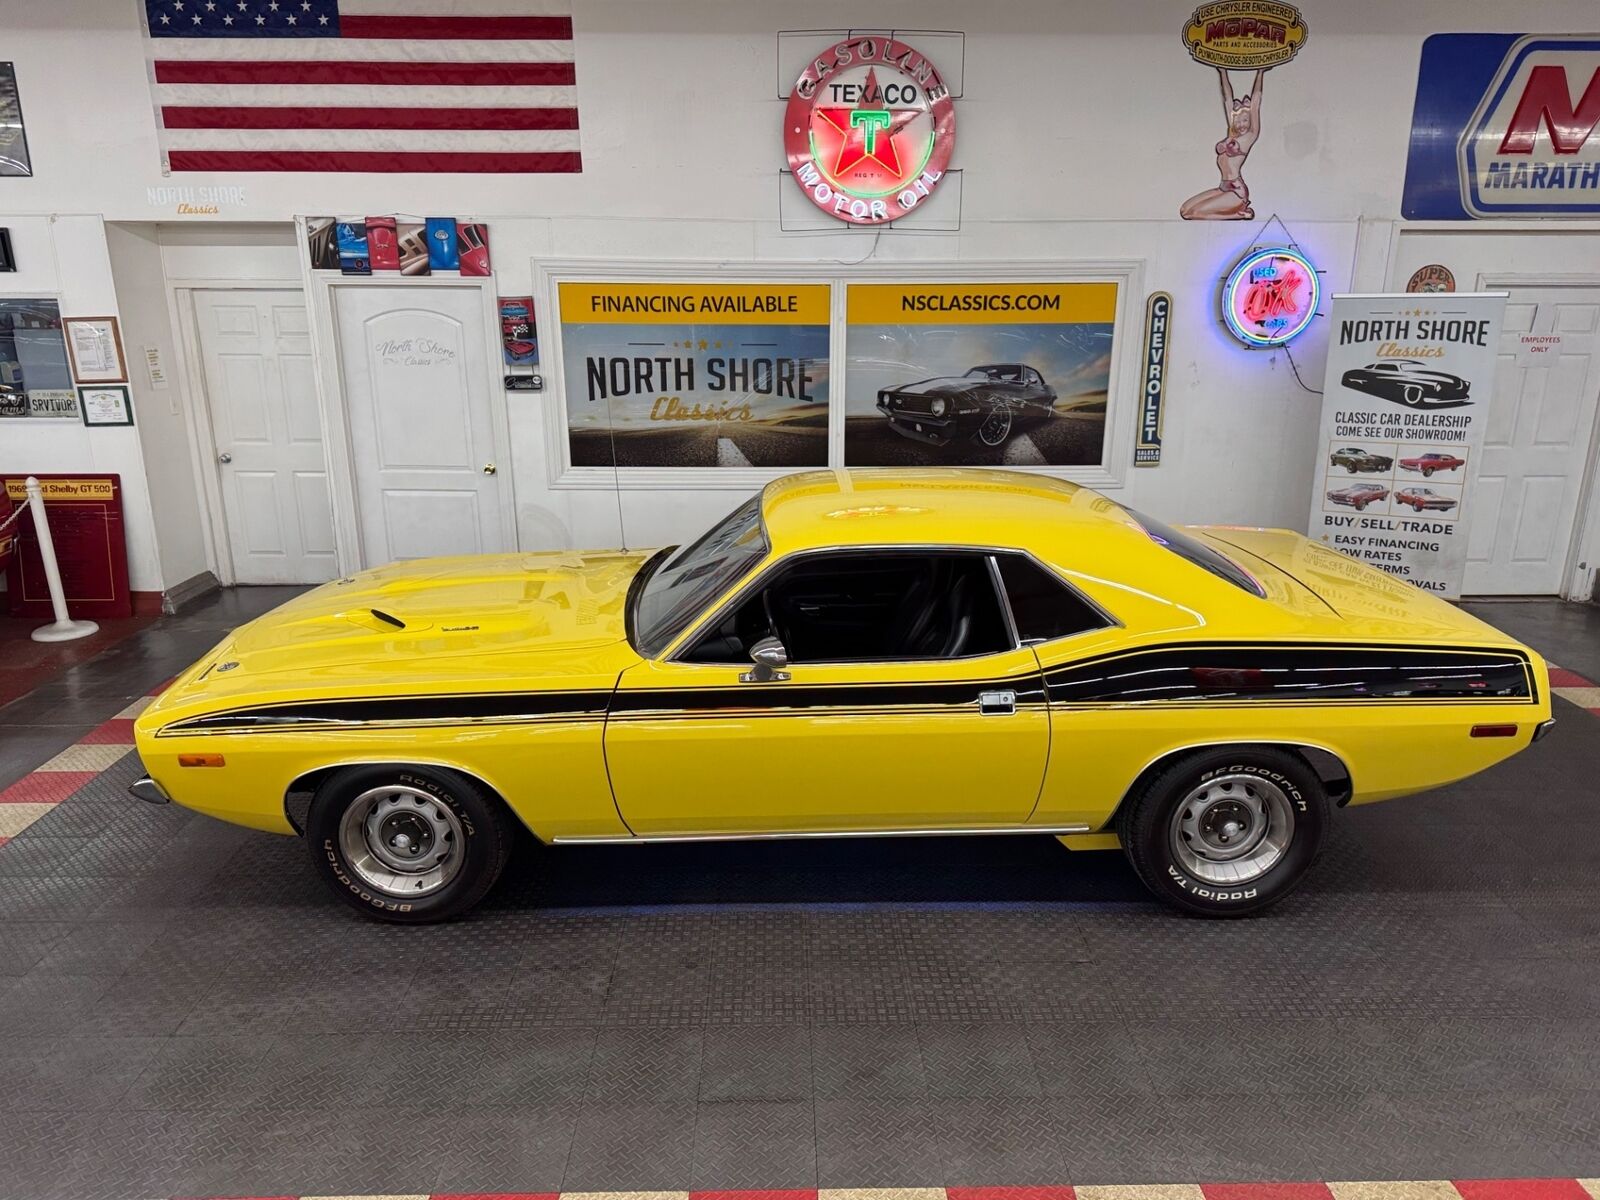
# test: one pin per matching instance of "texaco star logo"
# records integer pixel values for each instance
(869, 129)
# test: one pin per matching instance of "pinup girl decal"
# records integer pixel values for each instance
(1230, 199)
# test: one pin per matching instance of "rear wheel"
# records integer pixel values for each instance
(1225, 833)
(407, 844)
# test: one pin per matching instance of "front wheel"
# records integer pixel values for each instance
(411, 845)
(1225, 833)
(996, 426)
(1427, 472)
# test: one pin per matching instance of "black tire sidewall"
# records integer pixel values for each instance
(486, 841)
(1146, 823)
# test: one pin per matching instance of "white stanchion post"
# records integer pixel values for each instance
(64, 628)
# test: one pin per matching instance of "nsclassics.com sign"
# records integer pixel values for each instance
(1404, 407)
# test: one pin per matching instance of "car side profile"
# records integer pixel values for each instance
(988, 404)
(1359, 495)
(1423, 499)
(1409, 382)
(847, 653)
(1427, 464)
(1356, 460)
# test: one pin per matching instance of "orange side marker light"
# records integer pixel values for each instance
(216, 760)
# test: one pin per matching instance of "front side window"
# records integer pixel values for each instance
(878, 607)
(1191, 548)
(686, 583)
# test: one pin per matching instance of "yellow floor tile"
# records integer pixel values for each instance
(1143, 1191)
(134, 709)
(85, 758)
(1409, 1189)
(1582, 697)
(14, 818)
(1592, 1186)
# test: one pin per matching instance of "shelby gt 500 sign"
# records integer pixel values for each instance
(869, 129)
(1505, 126)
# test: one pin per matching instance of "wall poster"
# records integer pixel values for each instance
(978, 374)
(696, 374)
(1405, 402)
(34, 378)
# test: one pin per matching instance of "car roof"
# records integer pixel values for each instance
(947, 506)
(998, 367)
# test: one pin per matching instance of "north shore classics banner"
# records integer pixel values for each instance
(1405, 403)
(978, 374)
(696, 374)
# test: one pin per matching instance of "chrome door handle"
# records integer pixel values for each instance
(488, 468)
(224, 457)
(997, 704)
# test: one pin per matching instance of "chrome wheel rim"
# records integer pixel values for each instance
(1232, 829)
(995, 427)
(401, 841)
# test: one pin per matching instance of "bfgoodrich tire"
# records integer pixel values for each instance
(411, 845)
(1225, 833)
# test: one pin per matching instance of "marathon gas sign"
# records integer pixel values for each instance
(1505, 125)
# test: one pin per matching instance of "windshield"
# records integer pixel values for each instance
(684, 585)
(1201, 555)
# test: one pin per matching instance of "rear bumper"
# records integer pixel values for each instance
(1542, 729)
(148, 790)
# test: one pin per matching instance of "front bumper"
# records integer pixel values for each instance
(148, 790)
(920, 427)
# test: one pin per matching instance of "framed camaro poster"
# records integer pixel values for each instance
(978, 374)
(695, 374)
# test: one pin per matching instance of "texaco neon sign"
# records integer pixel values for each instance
(869, 129)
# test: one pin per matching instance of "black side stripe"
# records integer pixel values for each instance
(1207, 673)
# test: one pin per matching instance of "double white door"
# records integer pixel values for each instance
(1531, 471)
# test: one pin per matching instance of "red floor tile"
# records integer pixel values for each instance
(1266, 1191)
(1561, 677)
(1521, 1189)
(45, 787)
(116, 732)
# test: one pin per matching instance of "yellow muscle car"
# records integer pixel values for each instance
(850, 652)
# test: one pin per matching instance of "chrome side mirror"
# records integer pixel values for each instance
(769, 658)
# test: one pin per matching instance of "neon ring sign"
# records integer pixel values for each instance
(1270, 297)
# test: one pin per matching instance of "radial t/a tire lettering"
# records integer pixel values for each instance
(412, 845)
(1226, 832)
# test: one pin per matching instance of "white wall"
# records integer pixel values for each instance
(65, 257)
(1081, 130)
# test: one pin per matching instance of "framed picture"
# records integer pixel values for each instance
(94, 346)
(106, 405)
(14, 158)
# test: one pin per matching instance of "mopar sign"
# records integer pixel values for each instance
(1504, 126)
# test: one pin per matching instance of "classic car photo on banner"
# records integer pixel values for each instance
(696, 374)
(978, 374)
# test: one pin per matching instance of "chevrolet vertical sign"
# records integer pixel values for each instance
(1505, 126)
(1153, 381)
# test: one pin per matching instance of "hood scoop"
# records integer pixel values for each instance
(378, 621)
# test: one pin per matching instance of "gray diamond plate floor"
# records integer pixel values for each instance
(185, 1010)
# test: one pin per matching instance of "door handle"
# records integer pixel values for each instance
(488, 468)
(997, 704)
(224, 457)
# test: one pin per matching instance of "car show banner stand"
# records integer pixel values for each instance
(1406, 397)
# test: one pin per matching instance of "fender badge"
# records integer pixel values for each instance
(227, 666)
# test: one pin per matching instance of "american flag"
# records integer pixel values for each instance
(364, 85)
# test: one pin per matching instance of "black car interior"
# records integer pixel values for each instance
(868, 608)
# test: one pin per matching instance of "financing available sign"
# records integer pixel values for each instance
(696, 374)
(1405, 404)
(1505, 125)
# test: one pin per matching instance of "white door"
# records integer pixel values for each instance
(255, 350)
(417, 390)
(1530, 477)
